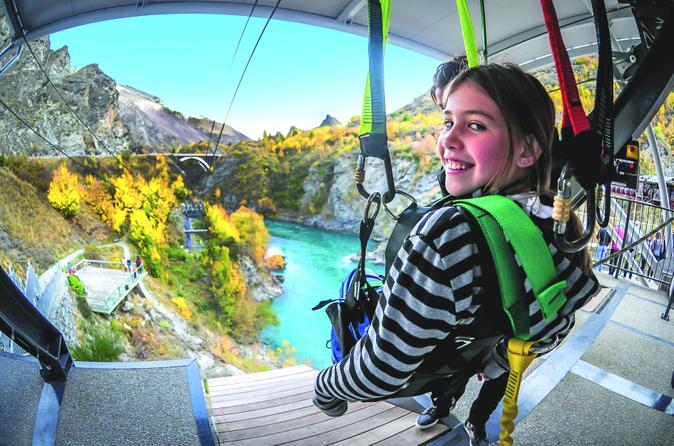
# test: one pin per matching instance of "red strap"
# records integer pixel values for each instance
(573, 109)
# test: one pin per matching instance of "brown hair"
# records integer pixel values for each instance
(445, 73)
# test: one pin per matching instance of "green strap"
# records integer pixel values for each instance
(373, 120)
(504, 222)
(468, 33)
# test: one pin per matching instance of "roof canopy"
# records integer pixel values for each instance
(515, 28)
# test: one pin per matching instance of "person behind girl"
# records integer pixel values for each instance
(497, 139)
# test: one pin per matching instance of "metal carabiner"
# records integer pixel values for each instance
(603, 212)
(561, 213)
(390, 194)
(372, 198)
(404, 194)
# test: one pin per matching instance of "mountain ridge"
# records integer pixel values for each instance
(122, 117)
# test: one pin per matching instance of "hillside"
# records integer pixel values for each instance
(30, 229)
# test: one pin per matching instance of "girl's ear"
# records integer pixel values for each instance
(528, 152)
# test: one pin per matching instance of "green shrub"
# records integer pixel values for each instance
(176, 253)
(166, 325)
(100, 343)
(76, 285)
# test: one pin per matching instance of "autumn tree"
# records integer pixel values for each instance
(65, 192)
(253, 234)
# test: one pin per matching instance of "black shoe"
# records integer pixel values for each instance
(477, 434)
(429, 417)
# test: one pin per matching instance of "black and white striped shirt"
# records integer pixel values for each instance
(435, 287)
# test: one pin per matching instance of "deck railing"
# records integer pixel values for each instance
(639, 222)
(116, 295)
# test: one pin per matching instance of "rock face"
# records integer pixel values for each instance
(121, 117)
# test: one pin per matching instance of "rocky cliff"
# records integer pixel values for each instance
(121, 117)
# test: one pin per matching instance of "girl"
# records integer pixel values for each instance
(441, 294)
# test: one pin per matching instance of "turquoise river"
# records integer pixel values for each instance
(316, 263)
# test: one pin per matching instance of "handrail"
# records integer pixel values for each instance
(122, 290)
(25, 325)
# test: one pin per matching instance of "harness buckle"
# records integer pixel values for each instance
(552, 299)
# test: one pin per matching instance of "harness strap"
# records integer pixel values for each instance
(468, 33)
(373, 121)
(573, 109)
(501, 217)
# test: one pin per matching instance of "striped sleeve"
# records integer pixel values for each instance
(428, 292)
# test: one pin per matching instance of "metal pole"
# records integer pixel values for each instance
(664, 193)
(665, 315)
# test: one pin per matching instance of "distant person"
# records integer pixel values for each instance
(139, 262)
(658, 247)
(604, 238)
(128, 264)
(71, 270)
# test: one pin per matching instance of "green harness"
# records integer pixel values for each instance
(514, 239)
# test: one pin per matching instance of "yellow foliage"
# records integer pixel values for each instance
(217, 193)
(220, 225)
(99, 199)
(185, 311)
(266, 205)
(276, 262)
(179, 189)
(253, 234)
(64, 192)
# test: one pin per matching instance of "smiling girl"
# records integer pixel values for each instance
(441, 294)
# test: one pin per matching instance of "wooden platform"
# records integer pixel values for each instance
(275, 407)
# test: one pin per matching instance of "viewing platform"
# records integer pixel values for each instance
(107, 283)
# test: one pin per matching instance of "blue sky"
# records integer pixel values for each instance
(299, 73)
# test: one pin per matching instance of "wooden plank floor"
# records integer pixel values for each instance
(275, 407)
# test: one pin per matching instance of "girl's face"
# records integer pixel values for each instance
(474, 143)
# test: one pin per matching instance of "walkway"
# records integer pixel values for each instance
(609, 383)
(106, 283)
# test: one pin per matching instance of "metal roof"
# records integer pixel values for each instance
(515, 28)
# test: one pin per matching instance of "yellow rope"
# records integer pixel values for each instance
(519, 359)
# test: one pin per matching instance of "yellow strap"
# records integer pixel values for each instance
(519, 359)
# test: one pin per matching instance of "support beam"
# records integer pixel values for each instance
(662, 186)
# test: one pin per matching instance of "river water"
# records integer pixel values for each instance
(316, 263)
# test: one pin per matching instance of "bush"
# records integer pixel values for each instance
(76, 285)
(176, 253)
(100, 343)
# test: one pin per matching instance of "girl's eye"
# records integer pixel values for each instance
(476, 126)
(448, 124)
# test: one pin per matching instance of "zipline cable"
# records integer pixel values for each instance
(243, 31)
(116, 156)
(55, 146)
(229, 108)
(231, 64)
